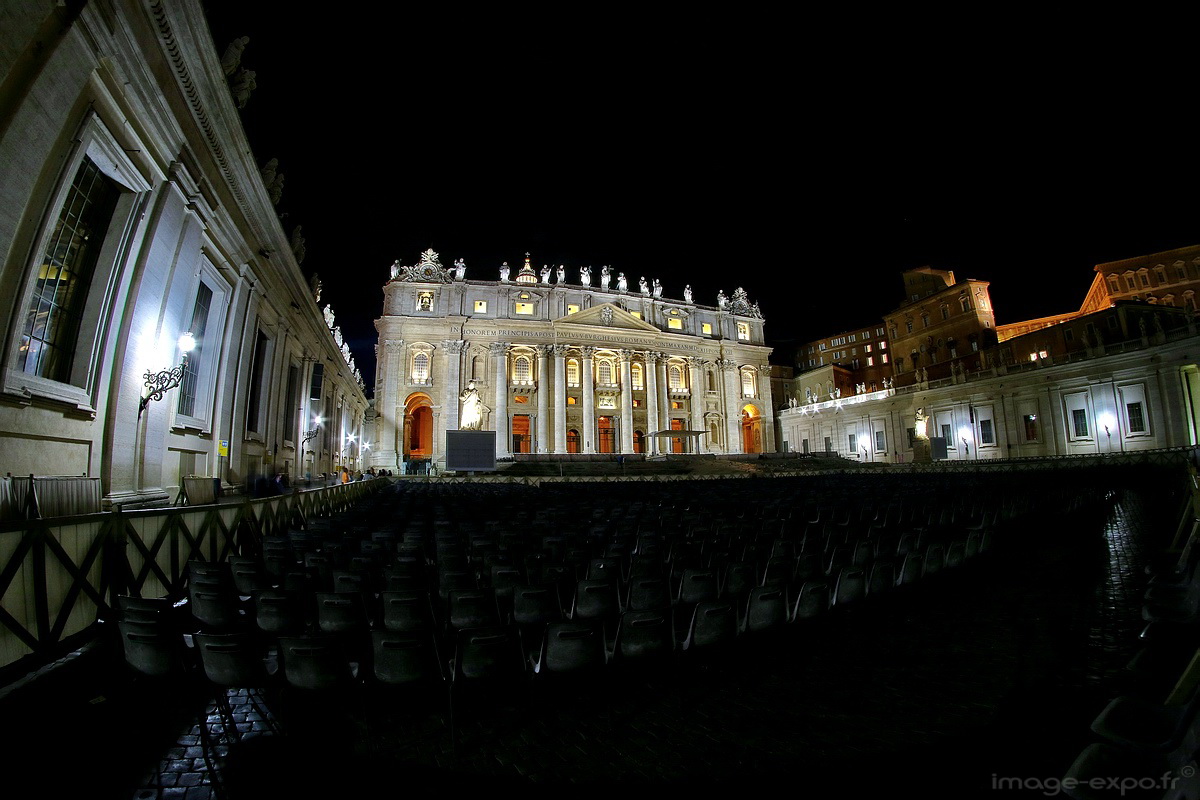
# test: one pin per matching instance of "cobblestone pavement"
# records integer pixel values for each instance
(994, 670)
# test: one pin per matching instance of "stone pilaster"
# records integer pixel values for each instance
(560, 398)
(543, 399)
(453, 349)
(733, 405)
(588, 381)
(499, 351)
(626, 402)
(652, 419)
(695, 400)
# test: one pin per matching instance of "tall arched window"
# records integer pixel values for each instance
(605, 372)
(675, 377)
(572, 372)
(711, 380)
(477, 368)
(522, 370)
(420, 371)
(635, 374)
(747, 383)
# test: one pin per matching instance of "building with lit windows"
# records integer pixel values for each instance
(132, 211)
(1123, 377)
(566, 367)
(850, 362)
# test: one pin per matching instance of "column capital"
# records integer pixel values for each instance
(393, 346)
(650, 356)
(726, 364)
(695, 362)
(498, 348)
(454, 345)
(560, 350)
(544, 350)
(588, 351)
(625, 355)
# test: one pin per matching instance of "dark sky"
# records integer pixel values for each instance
(720, 153)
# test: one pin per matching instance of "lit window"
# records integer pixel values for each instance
(908, 325)
(635, 373)
(866, 348)
(870, 361)
(743, 331)
(883, 345)
(521, 399)
(883, 359)
(637, 314)
(522, 370)
(706, 328)
(424, 301)
(675, 323)
(420, 370)
(572, 401)
(572, 372)
(605, 371)
(572, 308)
(675, 404)
(675, 377)
(481, 306)
(637, 403)
(524, 308)
(63, 281)
(1137, 419)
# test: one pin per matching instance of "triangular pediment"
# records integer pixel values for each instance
(607, 315)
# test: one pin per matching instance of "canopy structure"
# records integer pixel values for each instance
(690, 440)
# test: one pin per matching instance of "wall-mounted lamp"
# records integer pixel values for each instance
(158, 383)
(310, 434)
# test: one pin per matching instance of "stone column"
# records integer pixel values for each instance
(733, 406)
(588, 384)
(560, 398)
(390, 406)
(453, 349)
(664, 407)
(652, 419)
(626, 402)
(767, 404)
(543, 399)
(695, 401)
(499, 351)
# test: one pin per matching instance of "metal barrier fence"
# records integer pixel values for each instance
(59, 576)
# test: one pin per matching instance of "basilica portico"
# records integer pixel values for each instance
(565, 368)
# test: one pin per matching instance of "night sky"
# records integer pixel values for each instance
(649, 148)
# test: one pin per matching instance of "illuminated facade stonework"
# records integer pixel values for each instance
(564, 367)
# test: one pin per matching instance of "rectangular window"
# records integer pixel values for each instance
(883, 358)
(572, 308)
(481, 306)
(870, 361)
(675, 323)
(637, 402)
(187, 387)
(676, 404)
(853, 443)
(866, 348)
(1161, 274)
(293, 403)
(743, 330)
(1079, 422)
(1145, 278)
(637, 314)
(986, 435)
(908, 325)
(804, 445)
(572, 401)
(520, 399)
(947, 436)
(1137, 419)
(524, 308)
(1130, 284)
(258, 368)
(1029, 421)
(706, 328)
(60, 290)
(318, 379)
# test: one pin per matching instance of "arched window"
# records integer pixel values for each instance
(711, 379)
(572, 372)
(639, 442)
(635, 374)
(714, 433)
(964, 300)
(675, 377)
(604, 372)
(522, 370)
(747, 383)
(477, 368)
(420, 370)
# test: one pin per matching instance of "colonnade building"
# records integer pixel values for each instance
(566, 367)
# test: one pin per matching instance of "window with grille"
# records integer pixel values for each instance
(522, 370)
(636, 375)
(191, 372)
(1136, 416)
(572, 372)
(420, 371)
(605, 372)
(60, 290)
(675, 377)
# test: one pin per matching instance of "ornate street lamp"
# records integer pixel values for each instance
(309, 435)
(158, 383)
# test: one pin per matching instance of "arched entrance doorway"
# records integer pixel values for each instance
(418, 428)
(572, 441)
(751, 430)
(639, 442)
(608, 435)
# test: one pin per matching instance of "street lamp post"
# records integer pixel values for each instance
(309, 435)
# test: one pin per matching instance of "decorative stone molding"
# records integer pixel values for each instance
(625, 355)
(561, 350)
(587, 351)
(498, 348)
(454, 345)
(544, 350)
(428, 270)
